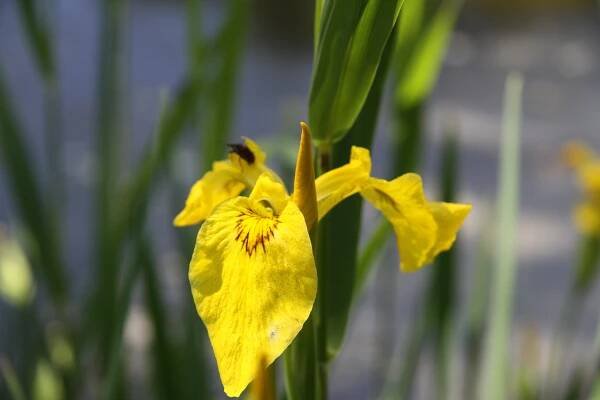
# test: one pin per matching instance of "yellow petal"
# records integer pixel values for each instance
(222, 183)
(270, 193)
(403, 203)
(340, 183)
(253, 280)
(589, 178)
(587, 217)
(305, 195)
(449, 217)
(226, 180)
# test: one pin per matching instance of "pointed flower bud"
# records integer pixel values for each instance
(305, 195)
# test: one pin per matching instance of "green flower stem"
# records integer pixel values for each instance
(324, 165)
(586, 271)
(300, 359)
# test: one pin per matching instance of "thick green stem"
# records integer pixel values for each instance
(323, 165)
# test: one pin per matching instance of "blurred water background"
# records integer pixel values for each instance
(557, 48)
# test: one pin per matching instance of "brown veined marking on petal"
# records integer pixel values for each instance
(243, 151)
(250, 241)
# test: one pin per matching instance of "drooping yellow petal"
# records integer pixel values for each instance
(449, 217)
(227, 179)
(403, 203)
(589, 179)
(305, 195)
(220, 184)
(253, 280)
(340, 183)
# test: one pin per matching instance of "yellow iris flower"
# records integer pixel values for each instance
(587, 166)
(253, 274)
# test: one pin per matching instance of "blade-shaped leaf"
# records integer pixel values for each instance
(351, 43)
(29, 200)
(422, 66)
(495, 361)
(343, 222)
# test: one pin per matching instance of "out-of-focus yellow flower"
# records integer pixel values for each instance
(16, 280)
(224, 181)
(423, 228)
(586, 164)
(253, 279)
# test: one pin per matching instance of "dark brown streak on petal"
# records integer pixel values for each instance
(250, 243)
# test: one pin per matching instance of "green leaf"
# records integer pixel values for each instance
(222, 89)
(350, 46)
(300, 364)
(495, 361)
(342, 224)
(369, 253)
(410, 23)
(29, 200)
(112, 379)
(12, 382)
(588, 264)
(442, 295)
(108, 136)
(319, 4)
(596, 389)
(479, 300)
(165, 371)
(38, 36)
(422, 67)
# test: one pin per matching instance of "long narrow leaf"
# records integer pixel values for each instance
(422, 68)
(115, 356)
(107, 137)
(25, 189)
(443, 284)
(219, 118)
(38, 35)
(493, 384)
(344, 220)
(165, 369)
(12, 382)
